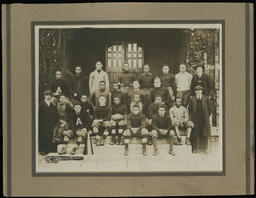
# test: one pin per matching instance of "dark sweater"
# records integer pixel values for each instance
(161, 122)
(153, 109)
(80, 121)
(122, 96)
(87, 107)
(146, 80)
(168, 80)
(120, 109)
(62, 84)
(103, 113)
(127, 78)
(136, 121)
(160, 91)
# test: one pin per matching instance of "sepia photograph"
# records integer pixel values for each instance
(128, 98)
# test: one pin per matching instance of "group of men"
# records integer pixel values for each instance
(145, 106)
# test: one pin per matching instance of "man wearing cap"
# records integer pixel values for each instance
(47, 119)
(203, 80)
(97, 76)
(199, 110)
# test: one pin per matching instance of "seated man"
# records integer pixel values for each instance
(116, 92)
(102, 90)
(119, 113)
(152, 110)
(63, 107)
(161, 124)
(180, 119)
(62, 134)
(81, 124)
(136, 126)
(101, 124)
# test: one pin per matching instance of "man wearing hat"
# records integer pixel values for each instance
(203, 80)
(200, 110)
(47, 119)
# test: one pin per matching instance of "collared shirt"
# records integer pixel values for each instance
(47, 102)
(183, 81)
(95, 78)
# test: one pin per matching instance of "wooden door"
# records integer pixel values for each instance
(120, 52)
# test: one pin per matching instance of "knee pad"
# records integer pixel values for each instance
(144, 132)
(95, 130)
(112, 123)
(121, 123)
(79, 139)
(127, 133)
(126, 140)
(154, 133)
(190, 124)
(66, 139)
(113, 131)
(120, 131)
(144, 139)
(172, 133)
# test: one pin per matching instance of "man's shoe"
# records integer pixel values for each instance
(102, 142)
(178, 142)
(98, 143)
(112, 141)
(126, 150)
(171, 152)
(188, 141)
(144, 152)
(155, 151)
(74, 151)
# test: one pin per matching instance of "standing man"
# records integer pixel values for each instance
(147, 78)
(78, 83)
(126, 78)
(97, 76)
(101, 91)
(183, 82)
(161, 124)
(47, 119)
(59, 86)
(168, 81)
(200, 109)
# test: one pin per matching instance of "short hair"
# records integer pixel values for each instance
(165, 65)
(58, 70)
(183, 64)
(102, 81)
(162, 106)
(76, 103)
(158, 96)
(178, 97)
(157, 78)
(136, 106)
(126, 64)
(78, 66)
(84, 94)
(136, 81)
(102, 96)
(146, 65)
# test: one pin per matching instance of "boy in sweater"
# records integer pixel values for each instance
(180, 119)
(161, 124)
(119, 113)
(101, 124)
(81, 124)
(136, 126)
(62, 133)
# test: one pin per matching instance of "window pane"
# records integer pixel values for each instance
(119, 62)
(114, 48)
(109, 63)
(140, 63)
(130, 62)
(135, 47)
(114, 62)
(129, 47)
(134, 63)
(120, 48)
(139, 49)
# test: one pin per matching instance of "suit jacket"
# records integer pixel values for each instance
(205, 82)
(206, 106)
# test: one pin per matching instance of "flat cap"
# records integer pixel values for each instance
(47, 92)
